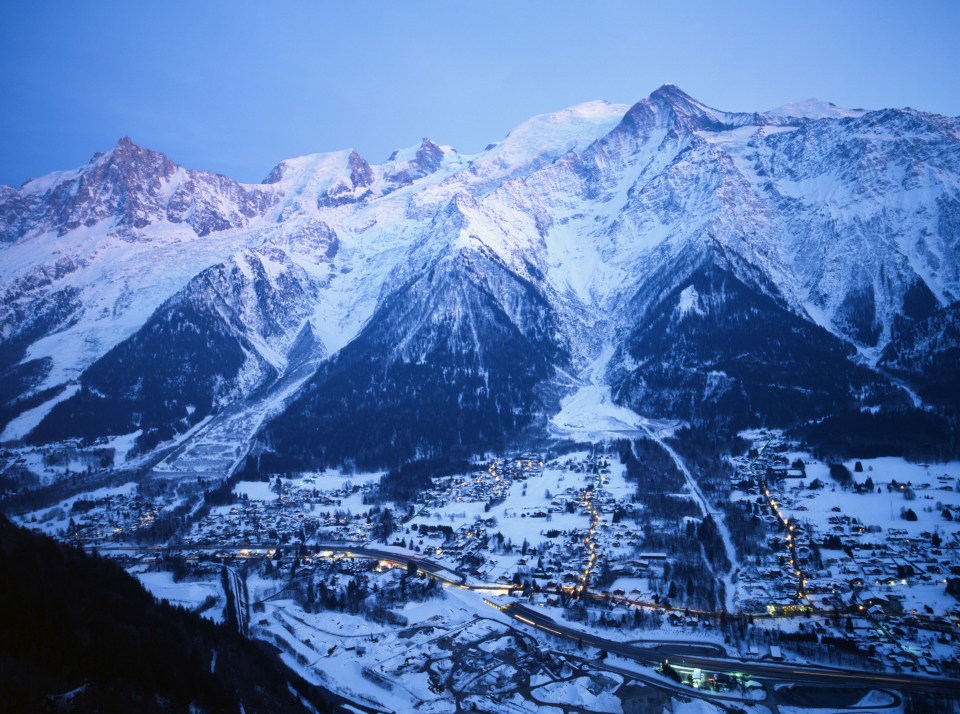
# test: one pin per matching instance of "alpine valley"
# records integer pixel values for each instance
(642, 408)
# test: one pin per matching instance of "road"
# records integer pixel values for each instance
(679, 654)
(691, 654)
(234, 591)
(428, 566)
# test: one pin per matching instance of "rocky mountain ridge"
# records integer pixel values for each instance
(750, 268)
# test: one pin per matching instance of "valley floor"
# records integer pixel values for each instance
(342, 582)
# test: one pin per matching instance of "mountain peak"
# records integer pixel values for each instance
(127, 155)
(670, 107)
(671, 93)
(127, 147)
(129, 188)
(595, 225)
(429, 156)
(696, 114)
(361, 173)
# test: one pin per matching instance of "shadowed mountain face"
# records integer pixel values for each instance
(926, 353)
(443, 368)
(717, 349)
(743, 268)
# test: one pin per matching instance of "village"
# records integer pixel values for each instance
(873, 550)
(833, 579)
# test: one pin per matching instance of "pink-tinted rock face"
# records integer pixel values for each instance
(132, 187)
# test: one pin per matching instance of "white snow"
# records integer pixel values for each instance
(122, 446)
(689, 301)
(590, 413)
(883, 508)
(189, 594)
(557, 133)
(255, 490)
(814, 109)
(26, 422)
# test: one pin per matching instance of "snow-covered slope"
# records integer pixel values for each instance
(600, 227)
(814, 109)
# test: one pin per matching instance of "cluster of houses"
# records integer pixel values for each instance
(606, 544)
(100, 520)
(295, 512)
(880, 586)
(884, 587)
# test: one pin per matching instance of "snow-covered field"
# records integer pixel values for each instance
(535, 514)
(590, 414)
(188, 593)
(883, 508)
(530, 509)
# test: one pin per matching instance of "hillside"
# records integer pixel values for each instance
(83, 635)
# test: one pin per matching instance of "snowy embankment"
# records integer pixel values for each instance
(729, 588)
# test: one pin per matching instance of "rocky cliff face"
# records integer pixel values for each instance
(130, 188)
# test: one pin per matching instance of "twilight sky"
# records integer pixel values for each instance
(237, 86)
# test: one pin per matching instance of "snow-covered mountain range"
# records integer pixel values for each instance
(737, 268)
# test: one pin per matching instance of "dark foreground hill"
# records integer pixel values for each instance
(80, 635)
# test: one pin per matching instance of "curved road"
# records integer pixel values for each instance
(677, 654)
(684, 654)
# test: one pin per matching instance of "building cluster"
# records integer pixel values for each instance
(890, 591)
(99, 520)
(887, 589)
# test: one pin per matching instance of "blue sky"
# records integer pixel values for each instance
(237, 86)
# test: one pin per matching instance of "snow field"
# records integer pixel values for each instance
(189, 594)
